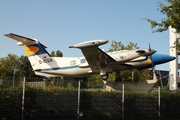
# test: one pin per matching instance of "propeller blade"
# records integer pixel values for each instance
(152, 66)
(149, 47)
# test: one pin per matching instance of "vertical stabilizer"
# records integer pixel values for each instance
(36, 52)
(38, 57)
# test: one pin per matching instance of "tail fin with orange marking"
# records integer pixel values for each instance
(36, 52)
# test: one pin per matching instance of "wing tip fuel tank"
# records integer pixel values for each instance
(90, 43)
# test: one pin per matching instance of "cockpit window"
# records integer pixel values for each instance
(73, 62)
(82, 61)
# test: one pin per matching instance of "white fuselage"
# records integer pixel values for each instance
(78, 66)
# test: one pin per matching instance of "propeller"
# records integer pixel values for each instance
(152, 66)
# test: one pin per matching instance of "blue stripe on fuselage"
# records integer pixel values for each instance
(60, 68)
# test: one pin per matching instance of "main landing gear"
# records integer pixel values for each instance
(105, 77)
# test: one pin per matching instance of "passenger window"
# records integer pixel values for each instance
(73, 62)
(82, 61)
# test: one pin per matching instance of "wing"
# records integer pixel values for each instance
(96, 58)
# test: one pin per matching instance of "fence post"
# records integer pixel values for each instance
(79, 86)
(122, 101)
(23, 95)
(159, 101)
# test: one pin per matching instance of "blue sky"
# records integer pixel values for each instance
(59, 24)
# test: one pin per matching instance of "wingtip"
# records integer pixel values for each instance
(6, 34)
(9, 34)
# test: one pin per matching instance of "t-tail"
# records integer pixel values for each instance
(38, 56)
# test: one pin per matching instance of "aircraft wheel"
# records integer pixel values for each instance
(105, 77)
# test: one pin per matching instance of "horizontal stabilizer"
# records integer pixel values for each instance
(23, 40)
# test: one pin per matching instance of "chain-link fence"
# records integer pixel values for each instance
(58, 99)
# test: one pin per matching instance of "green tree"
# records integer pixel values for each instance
(95, 81)
(171, 10)
(8, 65)
(58, 53)
(12, 64)
(53, 54)
(25, 69)
(116, 46)
(131, 46)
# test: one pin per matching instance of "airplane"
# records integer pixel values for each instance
(94, 61)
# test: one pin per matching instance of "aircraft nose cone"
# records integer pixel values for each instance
(172, 58)
(161, 58)
(168, 58)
